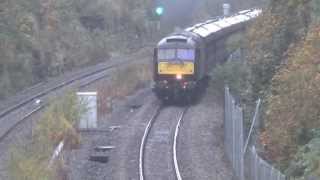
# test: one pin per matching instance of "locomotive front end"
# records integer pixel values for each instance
(175, 67)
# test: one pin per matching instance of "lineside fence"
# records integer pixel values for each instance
(244, 157)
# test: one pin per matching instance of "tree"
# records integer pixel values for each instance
(281, 25)
(293, 107)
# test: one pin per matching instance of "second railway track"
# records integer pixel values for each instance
(158, 151)
(55, 87)
(16, 114)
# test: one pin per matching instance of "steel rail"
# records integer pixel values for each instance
(7, 132)
(174, 147)
(143, 142)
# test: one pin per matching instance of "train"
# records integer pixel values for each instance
(182, 60)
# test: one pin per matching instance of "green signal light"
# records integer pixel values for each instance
(159, 10)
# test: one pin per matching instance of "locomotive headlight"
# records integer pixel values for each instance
(179, 76)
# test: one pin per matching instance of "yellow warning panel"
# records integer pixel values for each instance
(170, 68)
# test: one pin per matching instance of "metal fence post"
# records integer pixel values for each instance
(233, 133)
(256, 173)
(241, 162)
(227, 121)
(251, 164)
(237, 140)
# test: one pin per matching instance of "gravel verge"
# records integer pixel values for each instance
(201, 153)
(20, 136)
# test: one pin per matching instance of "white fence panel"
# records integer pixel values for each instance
(257, 168)
(234, 141)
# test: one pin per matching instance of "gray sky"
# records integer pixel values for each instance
(178, 12)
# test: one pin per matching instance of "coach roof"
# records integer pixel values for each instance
(207, 28)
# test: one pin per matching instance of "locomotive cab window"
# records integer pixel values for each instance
(186, 54)
(166, 54)
(171, 54)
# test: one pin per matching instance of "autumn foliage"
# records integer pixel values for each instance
(282, 24)
(30, 160)
(124, 82)
(293, 107)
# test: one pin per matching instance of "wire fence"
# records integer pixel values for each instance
(234, 134)
(237, 150)
(261, 170)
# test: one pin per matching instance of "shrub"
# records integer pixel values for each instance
(235, 74)
(29, 164)
(307, 160)
(30, 161)
(124, 81)
(58, 121)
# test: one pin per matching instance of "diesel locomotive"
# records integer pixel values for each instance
(183, 60)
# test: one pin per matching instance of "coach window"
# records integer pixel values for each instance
(166, 54)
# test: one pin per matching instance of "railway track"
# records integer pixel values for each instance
(16, 114)
(158, 148)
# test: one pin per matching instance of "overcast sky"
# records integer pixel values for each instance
(178, 12)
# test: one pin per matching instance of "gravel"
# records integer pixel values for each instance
(158, 152)
(201, 152)
(200, 143)
(21, 135)
(124, 159)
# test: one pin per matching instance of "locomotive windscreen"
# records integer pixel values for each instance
(176, 54)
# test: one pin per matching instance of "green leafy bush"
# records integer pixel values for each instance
(307, 160)
(235, 74)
